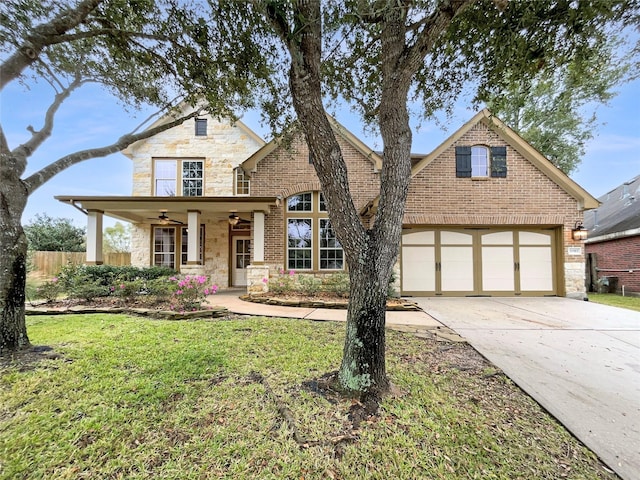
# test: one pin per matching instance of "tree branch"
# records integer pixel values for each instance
(41, 36)
(39, 178)
(109, 31)
(38, 137)
(433, 27)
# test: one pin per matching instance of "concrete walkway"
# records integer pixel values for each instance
(229, 299)
(579, 360)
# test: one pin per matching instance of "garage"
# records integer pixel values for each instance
(479, 262)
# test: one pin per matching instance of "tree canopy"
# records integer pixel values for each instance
(54, 235)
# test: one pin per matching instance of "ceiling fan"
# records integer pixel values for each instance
(164, 218)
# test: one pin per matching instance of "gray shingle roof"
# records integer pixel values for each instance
(619, 212)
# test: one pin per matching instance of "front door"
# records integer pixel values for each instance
(241, 257)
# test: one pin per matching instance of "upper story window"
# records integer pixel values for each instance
(201, 127)
(479, 161)
(178, 178)
(242, 182)
(311, 241)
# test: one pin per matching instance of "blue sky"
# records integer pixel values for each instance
(91, 118)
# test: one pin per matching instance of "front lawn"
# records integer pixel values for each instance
(131, 398)
(632, 303)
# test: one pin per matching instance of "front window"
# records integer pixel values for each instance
(331, 254)
(178, 178)
(164, 247)
(299, 243)
(311, 241)
(479, 162)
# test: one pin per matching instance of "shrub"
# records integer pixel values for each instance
(88, 290)
(128, 290)
(160, 289)
(337, 283)
(284, 282)
(308, 284)
(49, 291)
(191, 292)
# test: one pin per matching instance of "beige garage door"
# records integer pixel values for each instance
(478, 261)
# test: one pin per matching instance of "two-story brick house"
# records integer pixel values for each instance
(486, 213)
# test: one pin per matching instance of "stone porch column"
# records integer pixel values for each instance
(94, 237)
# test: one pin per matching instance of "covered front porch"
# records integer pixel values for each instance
(229, 244)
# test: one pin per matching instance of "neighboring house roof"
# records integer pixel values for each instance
(185, 109)
(619, 213)
(521, 146)
(250, 164)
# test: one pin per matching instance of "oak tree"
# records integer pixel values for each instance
(144, 52)
(383, 57)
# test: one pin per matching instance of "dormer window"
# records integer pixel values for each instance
(479, 161)
(201, 127)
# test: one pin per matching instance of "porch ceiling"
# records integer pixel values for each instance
(147, 209)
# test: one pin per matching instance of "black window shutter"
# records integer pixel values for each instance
(499, 162)
(463, 162)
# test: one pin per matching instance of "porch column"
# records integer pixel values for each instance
(94, 237)
(193, 244)
(258, 238)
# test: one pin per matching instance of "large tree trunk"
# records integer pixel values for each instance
(363, 367)
(370, 253)
(13, 262)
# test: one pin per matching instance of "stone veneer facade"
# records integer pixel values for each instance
(223, 149)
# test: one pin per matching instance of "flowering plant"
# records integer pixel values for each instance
(191, 292)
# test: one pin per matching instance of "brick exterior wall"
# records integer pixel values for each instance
(525, 197)
(619, 254)
(286, 172)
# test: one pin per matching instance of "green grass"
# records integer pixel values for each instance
(632, 303)
(135, 398)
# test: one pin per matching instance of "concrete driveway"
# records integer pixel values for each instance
(579, 360)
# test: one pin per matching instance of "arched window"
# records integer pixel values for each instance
(311, 241)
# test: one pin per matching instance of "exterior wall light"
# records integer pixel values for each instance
(579, 232)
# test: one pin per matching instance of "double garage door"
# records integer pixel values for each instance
(478, 261)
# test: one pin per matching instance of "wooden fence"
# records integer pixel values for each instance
(48, 264)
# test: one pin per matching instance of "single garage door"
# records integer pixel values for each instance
(478, 261)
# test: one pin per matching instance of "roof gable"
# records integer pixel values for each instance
(185, 109)
(251, 163)
(521, 146)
